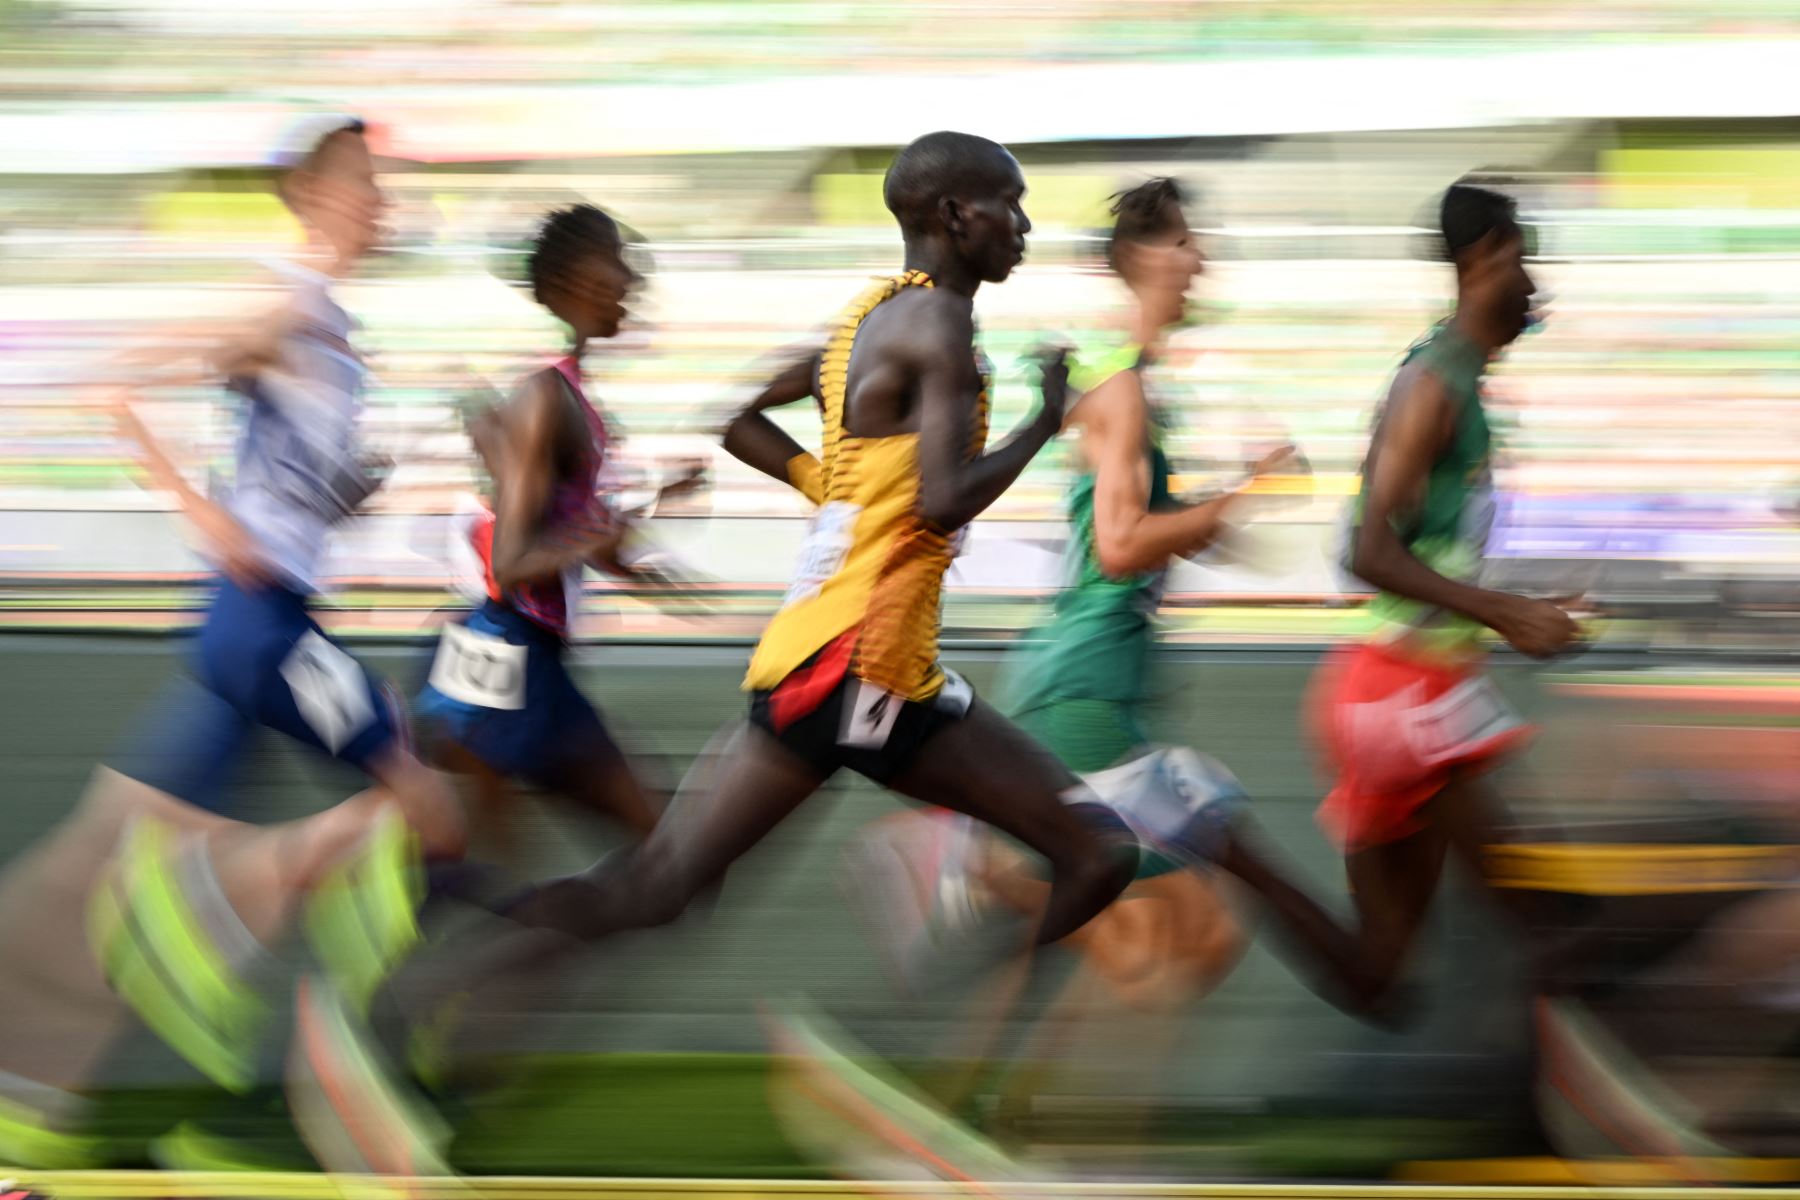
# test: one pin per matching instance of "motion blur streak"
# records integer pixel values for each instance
(1619, 1004)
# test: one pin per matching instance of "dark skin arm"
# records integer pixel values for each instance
(522, 445)
(1412, 434)
(937, 349)
(756, 441)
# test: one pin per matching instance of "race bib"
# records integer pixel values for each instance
(1469, 714)
(955, 696)
(869, 716)
(329, 689)
(822, 554)
(479, 669)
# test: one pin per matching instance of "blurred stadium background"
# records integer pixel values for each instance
(1651, 425)
(1652, 430)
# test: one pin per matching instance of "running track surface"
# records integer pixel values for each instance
(171, 1185)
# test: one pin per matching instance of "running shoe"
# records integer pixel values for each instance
(29, 1134)
(355, 1112)
(362, 920)
(909, 880)
(863, 1120)
(1599, 1100)
(175, 950)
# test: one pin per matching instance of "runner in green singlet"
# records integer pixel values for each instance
(1079, 683)
(1407, 716)
(1079, 686)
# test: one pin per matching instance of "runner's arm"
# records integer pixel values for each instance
(756, 441)
(525, 452)
(237, 552)
(604, 551)
(1128, 537)
(956, 485)
(190, 354)
(1408, 440)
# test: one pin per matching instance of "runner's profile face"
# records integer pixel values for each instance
(994, 224)
(1161, 267)
(340, 197)
(1509, 288)
(593, 302)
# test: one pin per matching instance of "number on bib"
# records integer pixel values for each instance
(1467, 715)
(955, 696)
(479, 669)
(822, 554)
(869, 716)
(329, 689)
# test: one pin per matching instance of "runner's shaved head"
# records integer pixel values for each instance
(1469, 212)
(939, 165)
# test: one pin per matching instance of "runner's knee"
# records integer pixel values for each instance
(629, 891)
(659, 886)
(1091, 873)
(1111, 850)
(431, 807)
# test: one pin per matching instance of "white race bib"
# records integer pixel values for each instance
(869, 716)
(822, 554)
(955, 696)
(329, 689)
(479, 669)
(1467, 715)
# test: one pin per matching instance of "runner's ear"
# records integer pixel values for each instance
(950, 213)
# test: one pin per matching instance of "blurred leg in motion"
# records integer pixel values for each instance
(173, 904)
(1359, 966)
(466, 992)
(1160, 948)
(1714, 1024)
(758, 784)
(986, 767)
(1163, 944)
(262, 661)
(206, 897)
(970, 758)
(1410, 742)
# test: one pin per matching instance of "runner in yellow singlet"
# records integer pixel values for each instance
(847, 673)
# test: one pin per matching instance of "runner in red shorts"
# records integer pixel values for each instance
(1408, 718)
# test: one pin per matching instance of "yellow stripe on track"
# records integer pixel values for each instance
(186, 1185)
(1530, 1175)
(1594, 869)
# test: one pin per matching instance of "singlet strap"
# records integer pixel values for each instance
(834, 363)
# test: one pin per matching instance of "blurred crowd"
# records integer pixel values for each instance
(373, 984)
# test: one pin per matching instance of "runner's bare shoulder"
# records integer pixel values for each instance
(925, 322)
